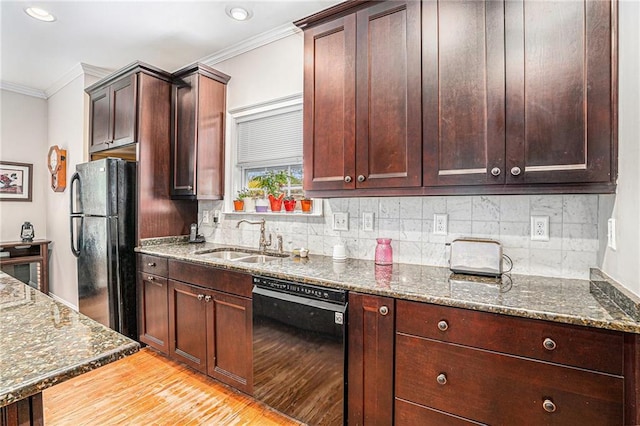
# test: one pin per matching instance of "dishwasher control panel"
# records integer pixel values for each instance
(304, 290)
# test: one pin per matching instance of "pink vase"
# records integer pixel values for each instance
(384, 252)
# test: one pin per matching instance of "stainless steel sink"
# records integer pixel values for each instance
(234, 254)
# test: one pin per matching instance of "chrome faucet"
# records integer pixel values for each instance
(264, 243)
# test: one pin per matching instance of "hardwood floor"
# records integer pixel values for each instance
(149, 389)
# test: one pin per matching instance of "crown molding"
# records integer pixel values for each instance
(23, 90)
(251, 43)
(75, 72)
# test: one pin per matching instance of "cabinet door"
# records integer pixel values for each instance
(463, 94)
(183, 144)
(100, 119)
(388, 126)
(210, 144)
(329, 105)
(188, 325)
(153, 311)
(229, 352)
(370, 360)
(559, 104)
(123, 102)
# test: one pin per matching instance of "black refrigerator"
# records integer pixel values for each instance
(103, 200)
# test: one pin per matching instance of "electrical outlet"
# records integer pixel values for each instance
(341, 221)
(440, 224)
(367, 221)
(540, 228)
(611, 234)
(205, 216)
(216, 216)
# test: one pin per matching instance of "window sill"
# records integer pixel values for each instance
(279, 214)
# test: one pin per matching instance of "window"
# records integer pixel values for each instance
(268, 137)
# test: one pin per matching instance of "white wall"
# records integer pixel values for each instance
(68, 129)
(23, 139)
(623, 264)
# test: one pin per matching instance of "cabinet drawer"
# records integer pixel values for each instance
(206, 276)
(153, 264)
(501, 389)
(590, 348)
(410, 414)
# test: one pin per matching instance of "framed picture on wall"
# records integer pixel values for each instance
(15, 181)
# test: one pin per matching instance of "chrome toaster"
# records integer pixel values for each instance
(476, 256)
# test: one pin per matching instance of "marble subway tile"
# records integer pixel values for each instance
(459, 208)
(580, 209)
(520, 258)
(369, 205)
(576, 264)
(459, 228)
(547, 205)
(408, 252)
(411, 230)
(411, 208)
(388, 228)
(545, 262)
(434, 254)
(515, 208)
(433, 205)
(315, 244)
(366, 249)
(485, 229)
(486, 208)
(579, 237)
(389, 208)
(514, 234)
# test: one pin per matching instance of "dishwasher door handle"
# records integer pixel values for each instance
(292, 298)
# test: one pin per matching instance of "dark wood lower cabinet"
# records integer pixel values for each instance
(370, 360)
(26, 412)
(153, 308)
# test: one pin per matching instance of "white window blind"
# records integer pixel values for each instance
(271, 138)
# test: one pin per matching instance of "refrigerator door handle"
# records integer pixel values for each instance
(74, 194)
(76, 242)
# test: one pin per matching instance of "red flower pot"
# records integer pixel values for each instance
(276, 203)
(289, 205)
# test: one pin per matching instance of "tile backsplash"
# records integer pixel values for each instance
(571, 250)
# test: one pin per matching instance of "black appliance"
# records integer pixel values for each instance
(299, 342)
(102, 238)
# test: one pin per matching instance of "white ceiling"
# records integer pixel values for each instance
(112, 34)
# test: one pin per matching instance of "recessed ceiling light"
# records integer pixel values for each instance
(40, 14)
(239, 13)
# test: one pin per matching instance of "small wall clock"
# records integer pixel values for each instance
(57, 162)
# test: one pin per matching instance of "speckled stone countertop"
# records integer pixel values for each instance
(561, 300)
(43, 342)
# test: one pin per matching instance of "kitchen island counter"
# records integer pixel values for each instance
(43, 342)
(570, 301)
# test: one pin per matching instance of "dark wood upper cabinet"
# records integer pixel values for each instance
(504, 96)
(362, 100)
(113, 114)
(463, 97)
(559, 92)
(197, 147)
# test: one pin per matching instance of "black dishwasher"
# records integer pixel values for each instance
(299, 341)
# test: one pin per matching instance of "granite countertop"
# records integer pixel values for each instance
(568, 301)
(43, 342)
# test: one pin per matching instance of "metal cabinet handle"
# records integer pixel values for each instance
(361, 178)
(200, 296)
(348, 179)
(441, 379)
(150, 278)
(383, 310)
(495, 171)
(549, 344)
(549, 406)
(443, 325)
(151, 264)
(515, 171)
(207, 298)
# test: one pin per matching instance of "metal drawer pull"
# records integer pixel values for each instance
(549, 344)
(347, 179)
(443, 325)
(207, 298)
(152, 264)
(361, 178)
(441, 379)
(200, 296)
(515, 171)
(495, 171)
(549, 406)
(383, 310)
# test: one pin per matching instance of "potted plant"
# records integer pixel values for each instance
(306, 204)
(256, 195)
(289, 203)
(272, 183)
(238, 202)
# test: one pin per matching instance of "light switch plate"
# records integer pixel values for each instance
(205, 216)
(367, 221)
(341, 221)
(611, 234)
